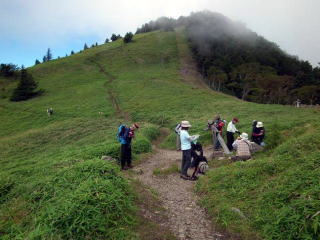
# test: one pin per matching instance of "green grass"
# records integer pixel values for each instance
(52, 182)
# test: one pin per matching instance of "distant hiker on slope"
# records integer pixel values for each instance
(186, 140)
(243, 147)
(258, 134)
(125, 136)
(231, 130)
(177, 131)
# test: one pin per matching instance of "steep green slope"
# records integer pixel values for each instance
(52, 181)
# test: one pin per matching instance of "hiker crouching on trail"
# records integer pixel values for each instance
(186, 140)
(258, 134)
(243, 147)
(125, 137)
(231, 130)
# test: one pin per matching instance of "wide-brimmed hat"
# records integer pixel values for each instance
(185, 124)
(259, 124)
(244, 136)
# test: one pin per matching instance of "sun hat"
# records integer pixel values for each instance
(244, 136)
(259, 124)
(185, 124)
(136, 125)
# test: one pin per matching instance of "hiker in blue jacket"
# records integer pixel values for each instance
(125, 136)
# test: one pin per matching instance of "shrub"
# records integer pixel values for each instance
(97, 205)
(141, 145)
(113, 150)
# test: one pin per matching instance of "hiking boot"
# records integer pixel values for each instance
(194, 178)
(185, 177)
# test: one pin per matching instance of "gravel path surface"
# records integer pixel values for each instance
(187, 220)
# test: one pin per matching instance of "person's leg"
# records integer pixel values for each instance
(129, 156)
(218, 145)
(182, 162)
(230, 140)
(187, 162)
(123, 156)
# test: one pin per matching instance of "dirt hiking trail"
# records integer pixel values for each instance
(186, 219)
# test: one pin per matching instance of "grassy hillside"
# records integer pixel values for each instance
(53, 185)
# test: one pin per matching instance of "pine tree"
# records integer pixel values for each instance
(96, 44)
(128, 37)
(107, 40)
(49, 55)
(44, 59)
(114, 37)
(37, 62)
(85, 47)
(72, 52)
(92, 45)
(26, 87)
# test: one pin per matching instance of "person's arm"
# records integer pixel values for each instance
(235, 144)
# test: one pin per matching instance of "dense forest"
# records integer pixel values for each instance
(237, 61)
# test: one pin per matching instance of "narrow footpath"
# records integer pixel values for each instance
(186, 219)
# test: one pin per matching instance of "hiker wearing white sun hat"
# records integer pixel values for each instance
(243, 147)
(186, 140)
(258, 133)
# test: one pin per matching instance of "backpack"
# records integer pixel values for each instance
(203, 167)
(120, 133)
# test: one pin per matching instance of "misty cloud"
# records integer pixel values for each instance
(292, 24)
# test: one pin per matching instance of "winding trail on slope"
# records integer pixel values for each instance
(187, 220)
(112, 95)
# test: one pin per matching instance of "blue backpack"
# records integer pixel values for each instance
(121, 131)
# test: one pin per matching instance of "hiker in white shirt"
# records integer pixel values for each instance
(231, 130)
(186, 140)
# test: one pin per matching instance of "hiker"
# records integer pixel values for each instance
(219, 124)
(177, 131)
(186, 140)
(197, 157)
(125, 136)
(243, 148)
(49, 111)
(231, 130)
(258, 134)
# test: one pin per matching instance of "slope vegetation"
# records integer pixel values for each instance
(53, 184)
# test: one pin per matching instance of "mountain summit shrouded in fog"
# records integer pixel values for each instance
(238, 61)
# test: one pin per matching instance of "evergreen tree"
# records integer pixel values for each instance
(49, 55)
(92, 45)
(114, 37)
(96, 44)
(44, 59)
(107, 40)
(72, 52)
(128, 37)
(37, 62)
(85, 47)
(26, 87)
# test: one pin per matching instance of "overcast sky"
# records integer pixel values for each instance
(29, 27)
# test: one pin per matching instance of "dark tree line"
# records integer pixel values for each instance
(237, 61)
